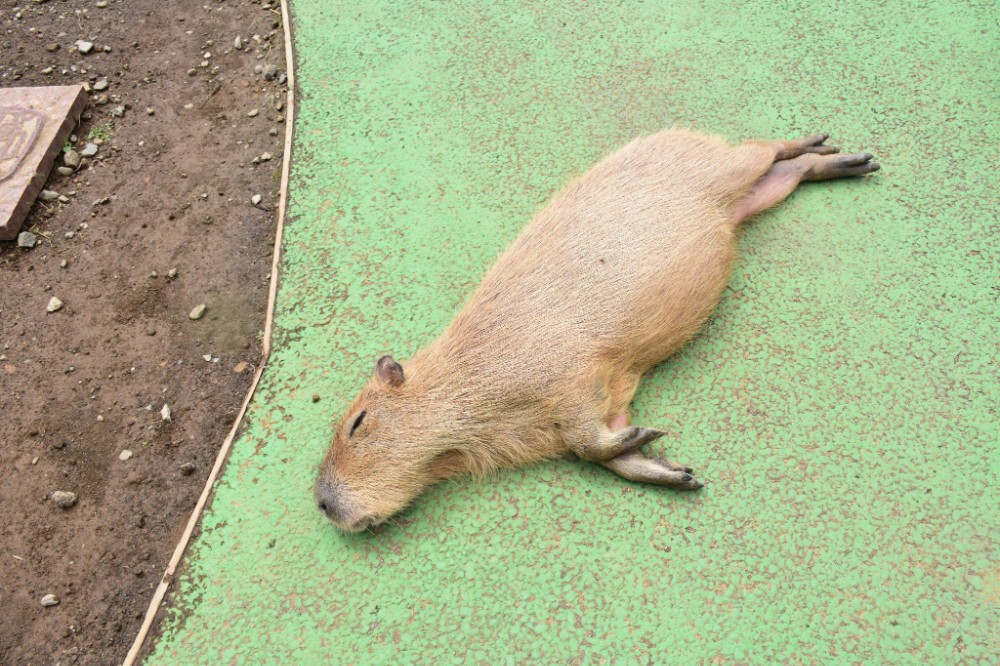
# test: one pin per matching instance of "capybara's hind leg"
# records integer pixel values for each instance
(605, 444)
(785, 175)
(786, 150)
(634, 466)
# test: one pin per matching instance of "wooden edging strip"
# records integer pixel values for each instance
(220, 459)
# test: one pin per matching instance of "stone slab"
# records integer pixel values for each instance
(34, 124)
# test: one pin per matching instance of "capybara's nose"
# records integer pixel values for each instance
(327, 500)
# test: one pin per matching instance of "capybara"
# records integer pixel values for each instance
(609, 279)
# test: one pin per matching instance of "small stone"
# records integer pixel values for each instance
(150, 111)
(63, 263)
(84, 47)
(101, 84)
(101, 4)
(252, 113)
(48, 70)
(187, 469)
(192, 72)
(258, 69)
(52, 48)
(63, 499)
(71, 158)
(237, 43)
(241, 367)
(89, 150)
(101, 100)
(270, 72)
(100, 418)
(54, 305)
(198, 312)
(273, 131)
(172, 273)
(64, 171)
(282, 79)
(266, 157)
(117, 111)
(34, 461)
(315, 397)
(48, 195)
(207, 357)
(50, 600)
(154, 274)
(256, 199)
(124, 455)
(165, 413)
(26, 239)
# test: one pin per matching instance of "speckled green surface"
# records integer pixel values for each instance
(841, 406)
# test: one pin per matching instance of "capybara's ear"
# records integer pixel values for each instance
(389, 372)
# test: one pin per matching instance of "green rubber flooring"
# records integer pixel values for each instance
(841, 405)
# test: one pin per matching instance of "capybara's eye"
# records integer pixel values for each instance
(357, 423)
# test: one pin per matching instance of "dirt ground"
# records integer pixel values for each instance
(182, 119)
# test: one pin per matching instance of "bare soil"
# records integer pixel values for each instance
(170, 188)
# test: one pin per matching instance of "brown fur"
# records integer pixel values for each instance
(609, 279)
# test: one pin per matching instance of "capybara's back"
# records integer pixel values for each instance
(616, 273)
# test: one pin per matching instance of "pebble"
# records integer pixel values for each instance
(256, 199)
(101, 100)
(102, 84)
(84, 47)
(237, 43)
(282, 79)
(241, 367)
(54, 305)
(165, 412)
(207, 357)
(266, 157)
(63, 263)
(117, 111)
(187, 469)
(50, 600)
(52, 48)
(89, 150)
(270, 72)
(124, 455)
(71, 158)
(150, 111)
(26, 239)
(172, 273)
(101, 4)
(48, 195)
(198, 312)
(64, 171)
(258, 69)
(252, 113)
(48, 70)
(63, 499)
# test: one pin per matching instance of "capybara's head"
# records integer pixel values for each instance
(386, 451)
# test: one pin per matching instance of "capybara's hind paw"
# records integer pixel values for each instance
(810, 144)
(635, 466)
(839, 166)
